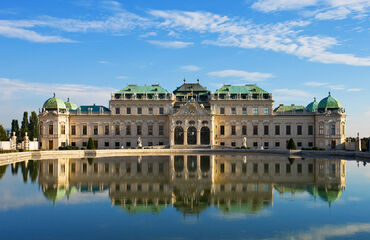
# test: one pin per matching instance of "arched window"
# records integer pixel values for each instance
(179, 135)
(204, 136)
(192, 136)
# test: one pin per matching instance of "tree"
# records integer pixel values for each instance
(34, 126)
(3, 134)
(24, 127)
(90, 144)
(15, 128)
(291, 145)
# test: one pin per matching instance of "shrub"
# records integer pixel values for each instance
(91, 144)
(291, 145)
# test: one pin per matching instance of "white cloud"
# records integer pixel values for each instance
(278, 5)
(122, 77)
(171, 44)
(337, 87)
(285, 94)
(354, 89)
(244, 75)
(190, 68)
(103, 62)
(315, 84)
(148, 34)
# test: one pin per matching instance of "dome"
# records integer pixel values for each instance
(70, 105)
(329, 103)
(312, 107)
(54, 103)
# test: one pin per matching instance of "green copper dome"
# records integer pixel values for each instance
(312, 107)
(329, 103)
(70, 105)
(54, 103)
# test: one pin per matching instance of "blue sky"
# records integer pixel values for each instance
(86, 49)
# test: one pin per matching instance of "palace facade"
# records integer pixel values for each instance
(192, 116)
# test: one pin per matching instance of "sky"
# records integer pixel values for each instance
(87, 49)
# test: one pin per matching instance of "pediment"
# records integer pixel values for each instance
(192, 108)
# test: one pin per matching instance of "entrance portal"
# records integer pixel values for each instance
(204, 136)
(179, 135)
(192, 136)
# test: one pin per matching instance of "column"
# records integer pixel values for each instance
(199, 171)
(198, 136)
(211, 133)
(172, 137)
(186, 167)
(185, 135)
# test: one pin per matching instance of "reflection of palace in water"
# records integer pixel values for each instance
(192, 183)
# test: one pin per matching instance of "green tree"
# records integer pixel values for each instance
(34, 126)
(3, 134)
(24, 127)
(291, 145)
(2, 170)
(90, 144)
(15, 128)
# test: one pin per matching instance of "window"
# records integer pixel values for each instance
(150, 130)
(161, 130)
(117, 130)
(96, 168)
(222, 143)
(128, 130)
(244, 130)
(233, 168)
(233, 144)
(321, 129)
(84, 144)
(62, 129)
(95, 129)
(222, 168)
(255, 111)
(128, 144)
(73, 167)
(139, 110)
(138, 168)
(128, 167)
(73, 130)
(310, 144)
(332, 169)
(266, 145)
(255, 168)
(299, 130)
(277, 130)
(138, 130)
(266, 130)
(277, 144)
(51, 130)
(255, 130)
(150, 143)
(150, 167)
(222, 130)
(266, 111)
(332, 129)
(255, 144)
(160, 168)
(244, 168)
(106, 168)
(288, 168)
(128, 110)
(233, 111)
(222, 110)
(106, 129)
(150, 110)
(117, 144)
(161, 110)
(310, 168)
(73, 144)
(233, 130)
(277, 168)
(299, 167)
(106, 144)
(96, 143)
(288, 130)
(244, 110)
(84, 129)
(310, 130)
(299, 144)
(118, 110)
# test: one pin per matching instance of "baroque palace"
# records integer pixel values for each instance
(191, 116)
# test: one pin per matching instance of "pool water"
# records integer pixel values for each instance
(185, 197)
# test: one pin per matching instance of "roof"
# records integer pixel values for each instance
(242, 89)
(191, 87)
(329, 103)
(155, 88)
(94, 108)
(312, 107)
(291, 108)
(70, 105)
(54, 103)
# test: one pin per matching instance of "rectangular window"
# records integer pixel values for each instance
(332, 129)
(128, 144)
(138, 168)
(161, 110)
(106, 144)
(150, 110)
(310, 144)
(299, 130)
(73, 130)
(117, 144)
(321, 129)
(244, 168)
(233, 144)
(222, 168)
(96, 143)
(84, 144)
(299, 167)
(277, 144)
(288, 168)
(84, 129)
(139, 110)
(62, 129)
(255, 111)
(150, 130)
(233, 168)
(73, 144)
(266, 130)
(118, 110)
(138, 130)
(161, 130)
(299, 144)
(222, 143)
(288, 130)
(255, 144)
(222, 110)
(277, 129)
(128, 110)
(310, 130)
(277, 168)
(51, 170)
(51, 129)
(244, 110)
(266, 111)
(233, 111)
(310, 168)
(244, 130)
(233, 130)
(128, 130)
(255, 168)
(222, 130)
(95, 129)
(117, 130)
(266, 145)
(255, 130)
(106, 129)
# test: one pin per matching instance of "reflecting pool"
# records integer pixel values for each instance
(185, 197)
